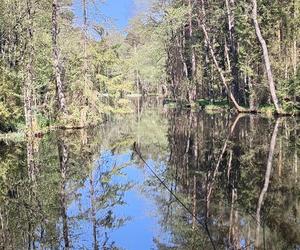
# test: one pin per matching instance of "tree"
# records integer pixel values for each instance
(266, 59)
(57, 66)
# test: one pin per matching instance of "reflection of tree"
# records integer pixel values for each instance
(104, 195)
(40, 182)
(63, 168)
(70, 185)
(267, 181)
(216, 167)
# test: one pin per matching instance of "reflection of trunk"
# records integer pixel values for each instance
(93, 211)
(187, 149)
(30, 159)
(57, 67)
(194, 202)
(212, 53)
(267, 181)
(63, 160)
(194, 210)
(211, 178)
(229, 165)
(233, 222)
(296, 158)
(3, 230)
(266, 58)
(280, 159)
(31, 150)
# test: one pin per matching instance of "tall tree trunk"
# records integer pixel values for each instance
(266, 58)
(233, 49)
(83, 115)
(252, 97)
(57, 67)
(193, 59)
(295, 52)
(85, 27)
(201, 22)
(28, 84)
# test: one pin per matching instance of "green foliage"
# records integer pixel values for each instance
(290, 94)
(10, 100)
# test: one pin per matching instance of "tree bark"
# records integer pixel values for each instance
(233, 49)
(193, 59)
(295, 52)
(28, 85)
(266, 58)
(83, 112)
(57, 67)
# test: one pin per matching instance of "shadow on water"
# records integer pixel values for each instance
(236, 175)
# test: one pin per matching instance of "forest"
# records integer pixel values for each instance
(175, 130)
(238, 55)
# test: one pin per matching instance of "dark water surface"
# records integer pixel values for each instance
(236, 176)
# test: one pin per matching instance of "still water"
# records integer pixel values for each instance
(223, 182)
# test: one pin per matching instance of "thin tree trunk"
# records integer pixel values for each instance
(233, 49)
(57, 67)
(181, 46)
(85, 27)
(251, 93)
(193, 59)
(266, 58)
(28, 85)
(295, 55)
(83, 112)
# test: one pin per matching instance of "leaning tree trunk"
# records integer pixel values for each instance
(57, 67)
(201, 23)
(266, 59)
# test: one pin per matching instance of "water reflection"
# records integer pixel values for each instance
(231, 173)
(238, 176)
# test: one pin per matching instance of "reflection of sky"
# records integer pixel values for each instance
(143, 226)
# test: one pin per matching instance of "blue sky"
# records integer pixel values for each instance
(117, 12)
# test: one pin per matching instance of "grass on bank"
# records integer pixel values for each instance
(215, 106)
